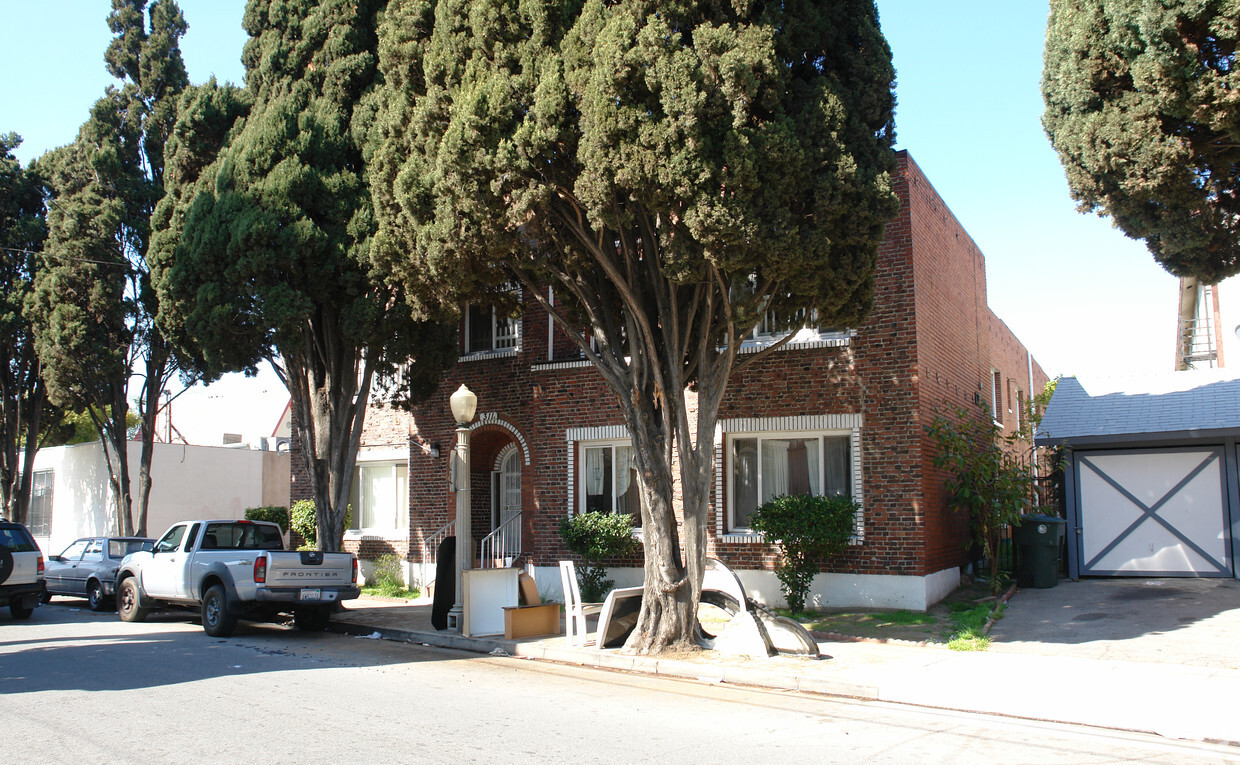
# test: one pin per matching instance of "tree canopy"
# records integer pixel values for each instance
(22, 392)
(92, 306)
(263, 247)
(675, 171)
(1142, 106)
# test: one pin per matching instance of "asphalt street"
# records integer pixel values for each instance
(78, 686)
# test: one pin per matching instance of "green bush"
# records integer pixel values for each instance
(386, 578)
(597, 537)
(276, 514)
(807, 529)
(302, 519)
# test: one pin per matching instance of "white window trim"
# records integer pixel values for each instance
(767, 427)
(379, 458)
(494, 353)
(804, 338)
(576, 437)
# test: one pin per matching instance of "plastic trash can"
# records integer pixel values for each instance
(1038, 537)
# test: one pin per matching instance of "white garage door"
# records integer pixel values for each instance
(1153, 513)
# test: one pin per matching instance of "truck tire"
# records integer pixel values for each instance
(19, 611)
(312, 619)
(127, 602)
(216, 621)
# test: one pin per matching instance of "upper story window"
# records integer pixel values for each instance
(766, 465)
(996, 396)
(801, 323)
(487, 332)
(608, 479)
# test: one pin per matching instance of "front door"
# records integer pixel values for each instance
(506, 499)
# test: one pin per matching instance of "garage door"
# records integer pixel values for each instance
(1153, 513)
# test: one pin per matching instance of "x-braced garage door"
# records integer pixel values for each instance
(1159, 512)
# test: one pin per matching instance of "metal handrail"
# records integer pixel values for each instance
(430, 545)
(501, 546)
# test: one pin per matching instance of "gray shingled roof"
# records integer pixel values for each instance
(1196, 404)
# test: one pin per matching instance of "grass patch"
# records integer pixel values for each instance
(389, 591)
(968, 626)
(904, 616)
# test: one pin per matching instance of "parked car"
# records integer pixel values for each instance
(21, 570)
(229, 569)
(87, 568)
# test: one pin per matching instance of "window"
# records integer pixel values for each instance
(1020, 406)
(39, 517)
(485, 331)
(996, 395)
(608, 479)
(74, 551)
(171, 540)
(380, 497)
(769, 465)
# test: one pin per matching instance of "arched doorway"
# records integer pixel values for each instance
(506, 502)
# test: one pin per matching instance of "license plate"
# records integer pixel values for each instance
(311, 594)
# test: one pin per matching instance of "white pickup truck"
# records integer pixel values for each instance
(231, 569)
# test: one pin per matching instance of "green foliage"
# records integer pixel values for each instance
(23, 395)
(1141, 106)
(991, 482)
(597, 537)
(263, 248)
(301, 519)
(387, 578)
(277, 514)
(92, 305)
(808, 529)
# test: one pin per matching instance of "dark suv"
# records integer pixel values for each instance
(21, 570)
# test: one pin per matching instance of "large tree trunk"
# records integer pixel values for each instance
(152, 390)
(330, 402)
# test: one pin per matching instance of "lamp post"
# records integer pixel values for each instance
(464, 404)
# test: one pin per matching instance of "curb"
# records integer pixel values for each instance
(609, 661)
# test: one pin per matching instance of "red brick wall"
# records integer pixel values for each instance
(927, 347)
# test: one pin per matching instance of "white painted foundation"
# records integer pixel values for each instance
(915, 593)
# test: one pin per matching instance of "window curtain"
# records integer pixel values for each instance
(626, 482)
(837, 466)
(744, 480)
(774, 468)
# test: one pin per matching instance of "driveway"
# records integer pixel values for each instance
(1175, 621)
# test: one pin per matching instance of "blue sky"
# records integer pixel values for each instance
(1082, 297)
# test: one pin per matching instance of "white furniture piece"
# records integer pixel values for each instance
(486, 593)
(575, 611)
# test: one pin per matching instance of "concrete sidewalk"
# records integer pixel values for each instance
(1173, 700)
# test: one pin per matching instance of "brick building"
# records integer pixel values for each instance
(833, 411)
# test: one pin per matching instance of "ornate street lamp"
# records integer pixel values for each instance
(464, 403)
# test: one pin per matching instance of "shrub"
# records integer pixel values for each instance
(387, 579)
(302, 519)
(807, 529)
(276, 514)
(984, 478)
(597, 537)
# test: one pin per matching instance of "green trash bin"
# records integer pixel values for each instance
(1038, 538)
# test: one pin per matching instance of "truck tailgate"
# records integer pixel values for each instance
(309, 569)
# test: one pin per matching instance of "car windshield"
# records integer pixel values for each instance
(16, 540)
(241, 536)
(119, 548)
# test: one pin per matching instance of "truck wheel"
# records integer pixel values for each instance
(216, 621)
(127, 602)
(94, 595)
(312, 619)
(19, 611)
